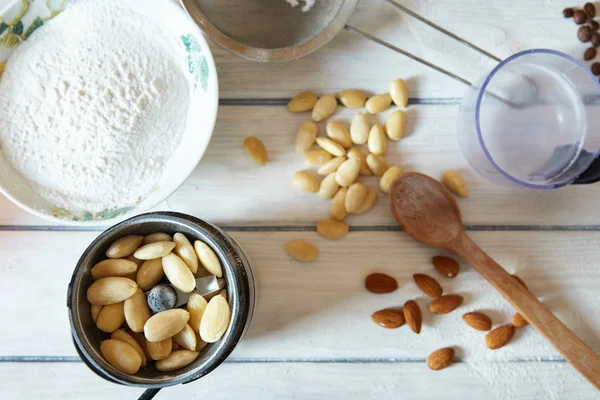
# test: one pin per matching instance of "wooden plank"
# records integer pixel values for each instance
(532, 380)
(350, 60)
(321, 310)
(228, 188)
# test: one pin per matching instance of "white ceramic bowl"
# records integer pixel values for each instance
(22, 17)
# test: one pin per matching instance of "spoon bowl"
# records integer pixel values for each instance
(426, 210)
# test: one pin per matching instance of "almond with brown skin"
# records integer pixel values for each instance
(429, 286)
(518, 321)
(380, 283)
(445, 304)
(412, 315)
(390, 318)
(479, 321)
(446, 266)
(499, 337)
(440, 359)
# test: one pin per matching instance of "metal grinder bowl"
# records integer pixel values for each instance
(270, 30)
(240, 291)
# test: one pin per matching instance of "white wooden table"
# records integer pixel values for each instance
(312, 336)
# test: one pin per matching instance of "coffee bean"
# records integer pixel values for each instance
(568, 12)
(584, 34)
(579, 17)
(590, 9)
(594, 25)
(596, 68)
(596, 39)
(590, 54)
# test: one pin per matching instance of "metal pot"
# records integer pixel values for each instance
(240, 289)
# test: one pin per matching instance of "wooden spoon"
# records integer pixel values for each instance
(427, 211)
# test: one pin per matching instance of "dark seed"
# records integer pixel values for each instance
(594, 25)
(596, 68)
(590, 9)
(568, 12)
(596, 39)
(584, 34)
(579, 17)
(590, 54)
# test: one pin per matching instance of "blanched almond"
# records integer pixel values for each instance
(331, 166)
(154, 250)
(337, 131)
(455, 182)
(347, 172)
(137, 311)
(256, 149)
(186, 338)
(357, 194)
(215, 319)
(306, 136)
(95, 310)
(356, 153)
(134, 260)
(377, 141)
(368, 203)
(149, 274)
(389, 176)
(302, 102)
(396, 125)
(329, 187)
(377, 164)
(177, 359)
(165, 324)
(302, 250)
(196, 305)
(359, 129)
(208, 258)
(157, 237)
(113, 267)
(332, 229)
(178, 273)
(200, 344)
(123, 336)
(399, 93)
(185, 251)
(122, 356)
(324, 107)
(159, 350)
(110, 290)
(111, 317)
(125, 246)
(352, 98)
(378, 103)
(141, 341)
(331, 146)
(305, 181)
(317, 157)
(338, 205)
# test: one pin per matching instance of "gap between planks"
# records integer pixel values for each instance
(284, 101)
(310, 228)
(392, 360)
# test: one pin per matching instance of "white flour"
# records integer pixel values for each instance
(92, 106)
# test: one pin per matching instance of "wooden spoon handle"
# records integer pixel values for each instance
(573, 349)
